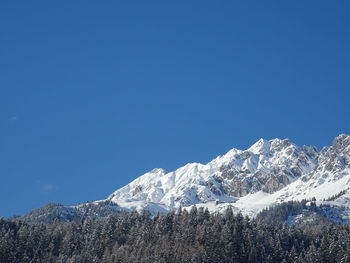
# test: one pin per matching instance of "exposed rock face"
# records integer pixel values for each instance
(267, 166)
(334, 159)
(341, 144)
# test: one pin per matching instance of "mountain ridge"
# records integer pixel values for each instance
(267, 173)
(269, 169)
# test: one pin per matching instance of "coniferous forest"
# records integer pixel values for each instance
(184, 236)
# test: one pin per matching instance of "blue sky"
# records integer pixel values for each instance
(93, 94)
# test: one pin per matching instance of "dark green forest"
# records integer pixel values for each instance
(183, 236)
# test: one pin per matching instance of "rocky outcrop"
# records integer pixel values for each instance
(268, 166)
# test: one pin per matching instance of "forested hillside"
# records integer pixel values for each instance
(194, 236)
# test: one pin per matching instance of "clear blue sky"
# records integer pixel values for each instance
(95, 93)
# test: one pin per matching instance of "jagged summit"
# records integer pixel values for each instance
(341, 143)
(158, 171)
(263, 146)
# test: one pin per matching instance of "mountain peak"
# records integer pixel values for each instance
(341, 143)
(158, 171)
(262, 146)
(280, 142)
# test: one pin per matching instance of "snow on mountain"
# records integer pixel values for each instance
(267, 173)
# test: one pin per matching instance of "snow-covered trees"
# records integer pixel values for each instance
(194, 236)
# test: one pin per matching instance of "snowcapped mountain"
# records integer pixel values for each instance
(267, 173)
